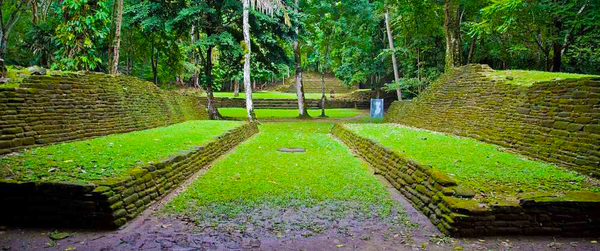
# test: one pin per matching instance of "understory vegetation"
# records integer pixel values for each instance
(495, 175)
(401, 44)
(258, 183)
(99, 158)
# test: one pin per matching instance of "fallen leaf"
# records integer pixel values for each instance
(59, 235)
(340, 245)
(51, 170)
(68, 161)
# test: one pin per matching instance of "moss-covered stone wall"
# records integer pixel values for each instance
(556, 121)
(453, 210)
(50, 109)
(112, 202)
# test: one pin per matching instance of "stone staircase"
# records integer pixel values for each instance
(282, 104)
(287, 103)
(312, 83)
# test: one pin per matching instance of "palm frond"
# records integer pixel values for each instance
(270, 6)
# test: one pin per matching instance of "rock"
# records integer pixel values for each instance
(291, 150)
(34, 70)
(461, 191)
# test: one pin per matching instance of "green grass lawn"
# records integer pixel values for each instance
(498, 175)
(98, 158)
(271, 95)
(528, 78)
(285, 113)
(257, 175)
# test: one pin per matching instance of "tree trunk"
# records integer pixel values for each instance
(302, 109)
(419, 64)
(213, 112)
(117, 44)
(154, 63)
(557, 58)
(452, 30)
(110, 37)
(3, 44)
(236, 88)
(323, 92)
(472, 49)
(548, 61)
(6, 25)
(248, 49)
(391, 42)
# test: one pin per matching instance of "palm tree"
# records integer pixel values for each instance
(267, 7)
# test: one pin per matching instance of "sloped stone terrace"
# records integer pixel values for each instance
(104, 182)
(469, 188)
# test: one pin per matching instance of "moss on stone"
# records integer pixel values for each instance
(101, 189)
(462, 205)
(442, 178)
(465, 192)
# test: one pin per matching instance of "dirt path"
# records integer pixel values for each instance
(157, 231)
(151, 232)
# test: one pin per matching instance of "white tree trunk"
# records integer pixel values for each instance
(302, 109)
(247, 83)
(300, 94)
(391, 42)
(115, 61)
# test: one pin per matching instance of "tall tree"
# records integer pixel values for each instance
(117, 41)
(452, 29)
(266, 6)
(247, 53)
(302, 107)
(391, 42)
(15, 9)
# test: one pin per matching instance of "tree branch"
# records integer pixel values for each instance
(567, 42)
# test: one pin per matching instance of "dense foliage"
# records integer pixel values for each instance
(200, 43)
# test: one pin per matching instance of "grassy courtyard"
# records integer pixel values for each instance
(98, 158)
(256, 175)
(528, 78)
(289, 113)
(497, 175)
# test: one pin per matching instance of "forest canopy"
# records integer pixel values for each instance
(201, 42)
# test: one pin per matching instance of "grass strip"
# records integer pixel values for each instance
(256, 176)
(528, 78)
